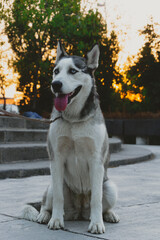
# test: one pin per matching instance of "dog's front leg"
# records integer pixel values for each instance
(57, 171)
(96, 178)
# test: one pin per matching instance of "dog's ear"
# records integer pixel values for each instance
(93, 57)
(60, 51)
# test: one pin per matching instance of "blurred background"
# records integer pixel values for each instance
(128, 33)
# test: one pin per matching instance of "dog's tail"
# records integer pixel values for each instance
(29, 213)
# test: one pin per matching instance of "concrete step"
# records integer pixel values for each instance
(13, 122)
(23, 135)
(129, 154)
(18, 135)
(13, 152)
(22, 152)
(114, 145)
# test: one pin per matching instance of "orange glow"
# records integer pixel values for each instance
(117, 87)
(18, 96)
(134, 97)
(130, 94)
(123, 16)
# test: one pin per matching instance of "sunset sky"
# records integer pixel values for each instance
(124, 16)
(127, 17)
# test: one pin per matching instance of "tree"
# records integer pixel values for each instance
(2, 87)
(33, 28)
(145, 73)
(107, 73)
(3, 82)
(7, 75)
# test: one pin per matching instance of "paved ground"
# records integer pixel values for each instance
(138, 206)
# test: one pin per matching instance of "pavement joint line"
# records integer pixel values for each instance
(5, 221)
(139, 204)
(65, 229)
(84, 234)
(7, 215)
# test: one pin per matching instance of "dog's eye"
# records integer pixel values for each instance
(72, 71)
(56, 71)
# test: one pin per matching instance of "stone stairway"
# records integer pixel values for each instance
(23, 149)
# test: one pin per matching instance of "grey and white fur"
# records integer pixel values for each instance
(78, 148)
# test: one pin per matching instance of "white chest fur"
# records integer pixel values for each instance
(77, 145)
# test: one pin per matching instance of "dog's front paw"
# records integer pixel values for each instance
(55, 224)
(111, 217)
(96, 227)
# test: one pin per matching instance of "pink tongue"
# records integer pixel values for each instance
(61, 102)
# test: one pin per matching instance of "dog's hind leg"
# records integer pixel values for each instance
(109, 200)
(29, 213)
(46, 207)
(72, 205)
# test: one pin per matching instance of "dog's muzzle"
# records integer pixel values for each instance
(61, 99)
(57, 86)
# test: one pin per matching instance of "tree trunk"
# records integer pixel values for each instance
(4, 103)
(4, 98)
(35, 96)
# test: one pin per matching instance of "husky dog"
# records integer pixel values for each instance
(78, 148)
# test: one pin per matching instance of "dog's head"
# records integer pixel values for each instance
(72, 77)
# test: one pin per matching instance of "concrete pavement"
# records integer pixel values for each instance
(138, 206)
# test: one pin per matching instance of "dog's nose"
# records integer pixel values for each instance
(57, 85)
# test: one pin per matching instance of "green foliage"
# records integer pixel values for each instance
(33, 28)
(107, 72)
(146, 70)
